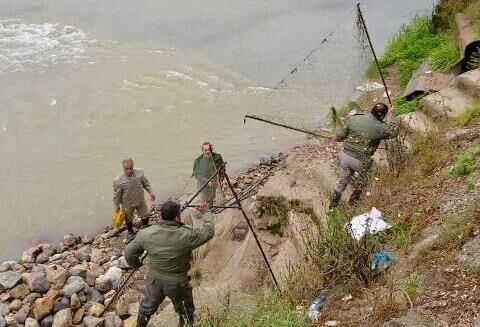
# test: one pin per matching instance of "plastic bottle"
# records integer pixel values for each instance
(314, 308)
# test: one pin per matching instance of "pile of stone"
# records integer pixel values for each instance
(65, 284)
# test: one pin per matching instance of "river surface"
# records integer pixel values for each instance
(86, 83)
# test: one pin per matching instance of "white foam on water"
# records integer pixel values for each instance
(22, 45)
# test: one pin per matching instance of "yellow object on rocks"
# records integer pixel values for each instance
(118, 216)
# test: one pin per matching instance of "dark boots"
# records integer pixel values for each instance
(131, 232)
(334, 200)
(144, 223)
(142, 319)
(355, 196)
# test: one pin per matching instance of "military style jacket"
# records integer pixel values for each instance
(204, 168)
(362, 134)
(169, 245)
(128, 191)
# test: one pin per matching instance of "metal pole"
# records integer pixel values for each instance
(283, 125)
(362, 20)
(253, 232)
(215, 207)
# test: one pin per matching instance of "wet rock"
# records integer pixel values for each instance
(112, 320)
(82, 297)
(108, 297)
(115, 275)
(5, 297)
(79, 270)
(30, 298)
(95, 296)
(83, 254)
(90, 321)
(30, 322)
(78, 316)
(75, 302)
(96, 309)
(47, 321)
(15, 305)
(3, 322)
(97, 256)
(5, 266)
(19, 268)
(70, 240)
(62, 318)
(133, 308)
(103, 284)
(10, 279)
(74, 284)
(41, 307)
(36, 281)
(122, 263)
(48, 250)
(57, 275)
(87, 239)
(20, 291)
(4, 309)
(30, 254)
(61, 303)
(22, 314)
(130, 322)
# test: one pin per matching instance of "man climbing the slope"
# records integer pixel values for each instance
(169, 245)
(204, 167)
(128, 193)
(361, 136)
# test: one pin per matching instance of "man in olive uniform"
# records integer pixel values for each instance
(361, 136)
(204, 167)
(128, 193)
(169, 245)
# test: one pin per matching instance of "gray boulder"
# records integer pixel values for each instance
(62, 318)
(9, 279)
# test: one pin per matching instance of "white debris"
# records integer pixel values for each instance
(369, 222)
(369, 86)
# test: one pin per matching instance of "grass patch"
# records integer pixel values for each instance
(403, 106)
(411, 287)
(414, 43)
(332, 257)
(464, 163)
(445, 56)
(470, 113)
(430, 152)
(269, 312)
(457, 227)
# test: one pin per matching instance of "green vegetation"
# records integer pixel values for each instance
(331, 256)
(468, 115)
(411, 287)
(413, 44)
(270, 312)
(430, 152)
(403, 106)
(445, 56)
(464, 163)
(457, 227)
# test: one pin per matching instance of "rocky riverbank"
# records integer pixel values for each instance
(71, 283)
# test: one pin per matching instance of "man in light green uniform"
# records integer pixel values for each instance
(169, 245)
(204, 167)
(128, 193)
(361, 136)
